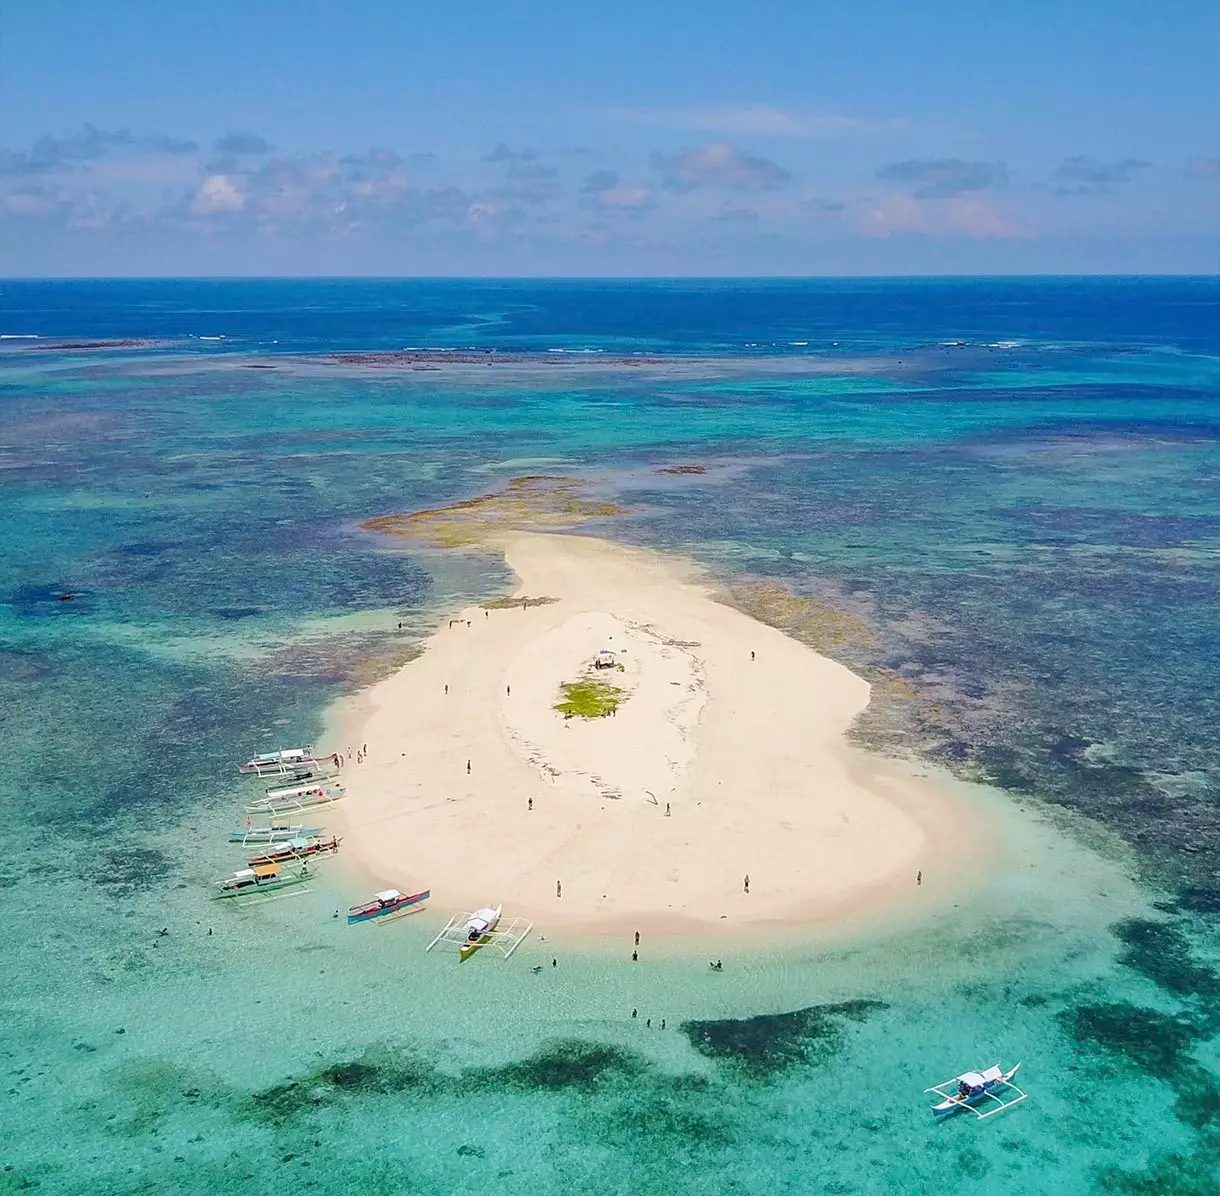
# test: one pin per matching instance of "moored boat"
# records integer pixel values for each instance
(289, 761)
(296, 798)
(301, 786)
(387, 901)
(276, 833)
(296, 849)
(263, 878)
(971, 1088)
(480, 927)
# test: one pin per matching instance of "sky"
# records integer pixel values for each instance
(706, 138)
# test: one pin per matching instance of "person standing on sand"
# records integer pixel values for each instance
(559, 888)
(508, 691)
(667, 809)
(446, 691)
(751, 653)
(468, 768)
(747, 882)
(919, 877)
(637, 938)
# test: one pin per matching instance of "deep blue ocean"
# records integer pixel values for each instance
(1013, 486)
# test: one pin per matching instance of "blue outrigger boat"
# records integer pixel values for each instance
(388, 901)
(992, 1088)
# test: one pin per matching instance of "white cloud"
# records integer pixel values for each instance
(218, 193)
(893, 214)
(719, 163)
(765, 120)
(626, 195)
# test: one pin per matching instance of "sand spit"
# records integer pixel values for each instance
(725, 758)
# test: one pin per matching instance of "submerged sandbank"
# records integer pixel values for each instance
(726, 758)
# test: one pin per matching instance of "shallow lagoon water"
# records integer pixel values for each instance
(1038, 561)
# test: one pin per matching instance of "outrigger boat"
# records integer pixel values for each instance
(973, 1087)
(288, 761)
(295, 798)
(388, 901)
(297, 849)
(302, 786)
(276, 833)
(470, 931)
(262, 879)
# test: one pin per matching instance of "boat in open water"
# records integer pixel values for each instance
(297, 849)
(992, 1090)
(387, 901)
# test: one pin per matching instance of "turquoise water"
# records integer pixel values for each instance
(1030, 532)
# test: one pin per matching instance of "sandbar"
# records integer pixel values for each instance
(725, 759)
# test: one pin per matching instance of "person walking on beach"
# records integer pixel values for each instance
(446, 691)
(637, 938)
(468, 768)
(508, 691)
(751, 653)
(559, 888)
(747, 882)
(919, 877)
(667, 809)
(531, 804)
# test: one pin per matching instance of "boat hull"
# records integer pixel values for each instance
(367, 913)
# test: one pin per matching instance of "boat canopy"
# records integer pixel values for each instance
(266, 870)
(387, 895)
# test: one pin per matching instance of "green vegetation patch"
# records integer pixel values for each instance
(513, 603)
(589, 698)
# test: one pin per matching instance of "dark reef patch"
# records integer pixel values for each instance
(1174, 1175)
(1158, 1043)
(237, 612)
(568, 1063)
(377, 1072)
(771, 1043)
(1160, 951)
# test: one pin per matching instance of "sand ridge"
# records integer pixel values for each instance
(725, 759)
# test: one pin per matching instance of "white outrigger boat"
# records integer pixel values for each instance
(290, 762)
(278, 832)
(291, 799)
(481, 928)
(974, 1087)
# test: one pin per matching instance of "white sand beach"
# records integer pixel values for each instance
(725, 759)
